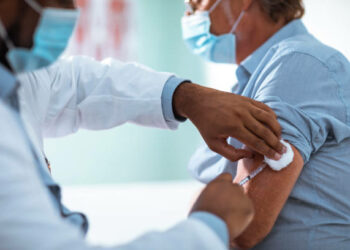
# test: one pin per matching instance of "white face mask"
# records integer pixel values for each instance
(197, 36)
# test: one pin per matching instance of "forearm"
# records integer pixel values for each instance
(85, 93)
(189, 97)
(269, 191)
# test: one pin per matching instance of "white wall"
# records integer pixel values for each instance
(329, 21)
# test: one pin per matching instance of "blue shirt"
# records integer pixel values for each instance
(307, 84)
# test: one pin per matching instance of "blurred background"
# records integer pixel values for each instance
(118, 160)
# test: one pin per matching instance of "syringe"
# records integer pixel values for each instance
(252, 175)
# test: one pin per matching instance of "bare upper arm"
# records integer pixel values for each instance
(269, 191)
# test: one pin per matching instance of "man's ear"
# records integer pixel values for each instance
(247, 4)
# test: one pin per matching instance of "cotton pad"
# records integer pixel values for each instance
(285, 160)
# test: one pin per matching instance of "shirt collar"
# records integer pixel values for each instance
(293, 28)
(8, 82)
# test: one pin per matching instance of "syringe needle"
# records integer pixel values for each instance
(252, 175)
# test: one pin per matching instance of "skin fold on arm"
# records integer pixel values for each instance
(269, 192)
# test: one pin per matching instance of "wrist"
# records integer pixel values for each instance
(184, 99)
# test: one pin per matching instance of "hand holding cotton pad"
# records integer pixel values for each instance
(285, 160)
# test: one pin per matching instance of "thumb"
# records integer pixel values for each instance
(229, 152)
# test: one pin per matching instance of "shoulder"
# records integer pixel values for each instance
(303, 63)
(307, 74)
(306, 49)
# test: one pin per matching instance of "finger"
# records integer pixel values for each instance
(270, 119)
(221, 147)
(263, 106)
(260, 130)
(257, 144)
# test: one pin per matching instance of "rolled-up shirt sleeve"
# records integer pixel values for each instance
(306, 99)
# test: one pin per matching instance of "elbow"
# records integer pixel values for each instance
(253, 235)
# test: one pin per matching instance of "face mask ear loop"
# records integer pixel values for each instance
(212, 8)
(4, 36)
(34, 5)
(233, 30)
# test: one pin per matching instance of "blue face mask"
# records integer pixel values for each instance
(197, 36)
(50, 39)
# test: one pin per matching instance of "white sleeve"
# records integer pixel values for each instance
(79, 92)
(188, 235)
(29, 221)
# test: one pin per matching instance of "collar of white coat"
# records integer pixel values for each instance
(8, 82)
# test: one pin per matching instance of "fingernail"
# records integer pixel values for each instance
(285, 150)
(277, 157)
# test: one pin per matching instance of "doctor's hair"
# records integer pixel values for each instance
(287, 10)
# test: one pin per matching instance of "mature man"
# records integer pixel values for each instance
(82, 93)
(307, 205)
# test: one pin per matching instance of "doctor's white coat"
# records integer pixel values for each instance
(76, 93)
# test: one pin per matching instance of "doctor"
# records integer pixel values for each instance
(82, 93)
